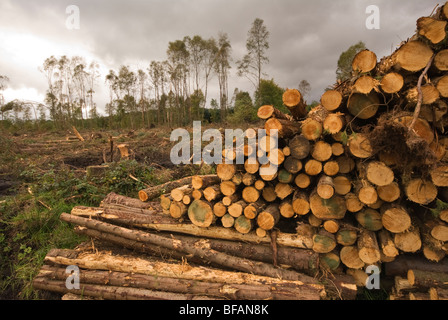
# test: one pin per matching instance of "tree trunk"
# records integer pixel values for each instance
(284, 128)
(154, 192)
(202, 182)
(300, 147)
(331, 100)
(269, 111)
(312, 129)
(369, 251)
(350, 257)
(369, 219)
(187, 287)
(201, 214)
(365, 61)
(268, 218)
(198, 249)
(421, 191)
(333, 208)
(293, 100)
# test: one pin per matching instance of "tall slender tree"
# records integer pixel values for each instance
(257, 44)
(222, 67)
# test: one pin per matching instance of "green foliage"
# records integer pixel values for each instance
(344, 69)
(270, 93)
(30, 224)
(440, 206)
(244, 110)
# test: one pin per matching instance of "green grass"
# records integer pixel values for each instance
(30, 224)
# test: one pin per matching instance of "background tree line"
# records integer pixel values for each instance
(172, 92)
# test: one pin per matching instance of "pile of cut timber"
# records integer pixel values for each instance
(359, 180)
(364, 174)
(169, 260)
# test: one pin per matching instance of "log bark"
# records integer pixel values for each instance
(405, 262)
(123, 215)
(427, 279)
(284, 128)
(109, 292)
(202, 182)
(178, 193)
(190, 288)
(139, 265)
(198, 250)
(156, 191)
(212, 193)
(268, 111)
(113, 198)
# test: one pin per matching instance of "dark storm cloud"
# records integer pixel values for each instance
(306, 37)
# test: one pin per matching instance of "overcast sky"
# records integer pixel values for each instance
(306, 37)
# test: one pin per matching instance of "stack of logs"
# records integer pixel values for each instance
(359, 180)
(139, 253)
(364, 174)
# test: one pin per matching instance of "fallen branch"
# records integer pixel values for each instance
(420, 94)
